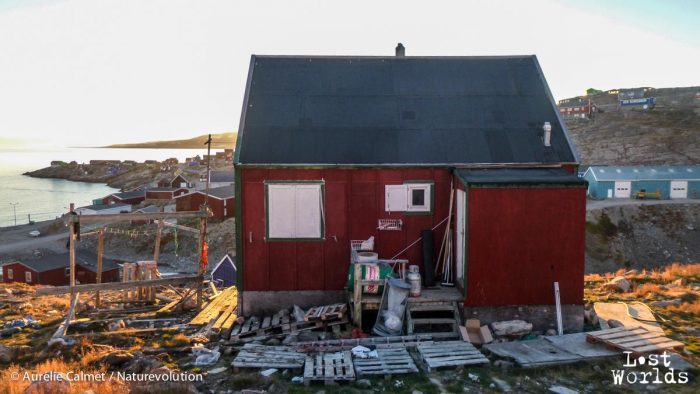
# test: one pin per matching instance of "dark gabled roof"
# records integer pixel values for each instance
(101, 207)
(222, 193)
(165, 189)
(363, 111)
(129, 195)
(87, 260)
(222, 176)
(518, 176)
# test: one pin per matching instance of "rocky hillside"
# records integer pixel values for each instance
(642, 236)
(668, 134)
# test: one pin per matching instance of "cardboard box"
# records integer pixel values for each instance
(475, 332)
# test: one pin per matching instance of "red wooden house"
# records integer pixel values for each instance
(165, 193)
(331, 148)
(54, 270)
(221, 201)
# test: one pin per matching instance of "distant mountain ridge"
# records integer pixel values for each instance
(219, 141)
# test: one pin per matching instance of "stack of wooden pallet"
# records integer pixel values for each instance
(636, 340)
(326, 312)
(219, 316)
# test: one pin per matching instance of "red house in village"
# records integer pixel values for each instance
(54, 270)
(165, 193)
(221, 201)
(330, 148)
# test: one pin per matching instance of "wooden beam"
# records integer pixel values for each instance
(100, 250)
(63, 327)
(200, 266)
(120, 217)
(159, 234)
(180, 227)
(71, 247)
(180, 279)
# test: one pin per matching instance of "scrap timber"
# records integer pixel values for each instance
(329, 367)
(260, 356)
(390, 362)
(220, 313)
(636, 340)
(172, 280)
(450, 354)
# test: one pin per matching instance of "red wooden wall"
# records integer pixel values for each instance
(57, 277)
(520, 241)
(221, 209)
(354, 201)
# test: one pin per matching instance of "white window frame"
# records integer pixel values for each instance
(300, 219)
(10, 274)
(399, 198)
(427, 203)
(28, 276)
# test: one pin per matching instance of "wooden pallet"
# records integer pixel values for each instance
(329, 367)
(220, 307)
(450, 309)
(636, 340)
(326, 312)
(256, 328)
(450, 354)
(259, 356)
(390, 362)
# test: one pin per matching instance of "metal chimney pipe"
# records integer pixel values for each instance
(547, 134)
(400, 50)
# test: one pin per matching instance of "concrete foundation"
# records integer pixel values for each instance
(270, 302)
(542, 317)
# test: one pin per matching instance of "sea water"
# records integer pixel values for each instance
(45, 199)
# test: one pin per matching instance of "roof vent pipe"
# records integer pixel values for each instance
(400, 50)
(547, 134)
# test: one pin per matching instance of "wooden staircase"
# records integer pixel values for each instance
(428, 317)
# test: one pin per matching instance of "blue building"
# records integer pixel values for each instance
(670, 182)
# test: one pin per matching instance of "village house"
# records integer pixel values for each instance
(54, 269)
(103, 209)
(217, 178)
(165, 193)
(221, 201)
(579, 108)
(333, 149)
(131, 197)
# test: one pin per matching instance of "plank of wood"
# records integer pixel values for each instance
(57, 290)
(656, 348)
(63, 327)
(116, 217)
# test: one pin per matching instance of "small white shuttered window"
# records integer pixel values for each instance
(409, 197)
(294, 210)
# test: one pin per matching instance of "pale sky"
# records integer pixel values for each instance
(93, 72)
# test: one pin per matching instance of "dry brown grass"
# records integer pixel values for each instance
(692, 308)
(647, 288)
(677, 271)
(14, 382)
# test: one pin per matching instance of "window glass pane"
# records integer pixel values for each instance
(418, 197)
(308, 211)
(281, 211)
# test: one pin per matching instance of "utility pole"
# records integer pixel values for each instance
(203, 228)
(14, 207)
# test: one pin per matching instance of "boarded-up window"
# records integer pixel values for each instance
(294, 211)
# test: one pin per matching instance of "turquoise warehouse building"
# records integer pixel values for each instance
(670, 182)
